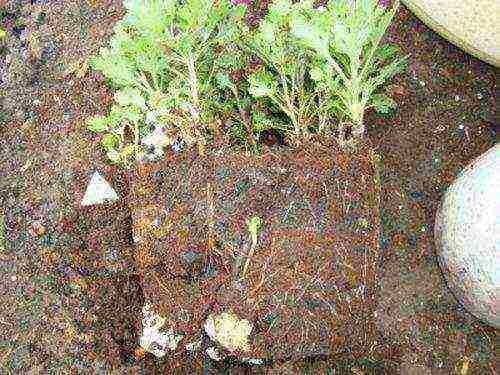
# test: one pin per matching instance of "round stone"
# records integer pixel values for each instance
(467, 235)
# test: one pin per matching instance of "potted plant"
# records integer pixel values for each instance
(280, 245)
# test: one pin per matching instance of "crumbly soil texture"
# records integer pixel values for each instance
(308, 284)
(60, 317)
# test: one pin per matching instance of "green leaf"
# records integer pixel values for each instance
(309, 35)
(278, 10)
(109, 141)
(260, 121)
(385, 74)
(114, 66)
(261, 85)
(130, 96)
(238, 12)
(223, 80)
(385, 52)
(316, 74)
(113, 155)
(98, 124)
(268, 31)
(149, 17)
(382, 103)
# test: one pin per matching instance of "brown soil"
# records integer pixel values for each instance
(445, 118)
(313, 270)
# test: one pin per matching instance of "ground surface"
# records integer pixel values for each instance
(52, 320)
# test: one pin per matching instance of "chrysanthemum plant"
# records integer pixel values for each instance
(170, 60)
(163, 61)
(282, 76)
(349, 62)
(324, 62)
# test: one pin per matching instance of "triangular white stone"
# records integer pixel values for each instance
(98, 190)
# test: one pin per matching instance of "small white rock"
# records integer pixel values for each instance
(213, 353)
(153, 340)
(253, 361)
(98, 191)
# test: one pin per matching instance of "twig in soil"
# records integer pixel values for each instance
(162, 286)
(268, 262)
(339, 297)
(344, 206)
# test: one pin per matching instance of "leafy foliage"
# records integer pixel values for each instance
(282, 77)
(165, 58)
(350, 62)
(177, 66)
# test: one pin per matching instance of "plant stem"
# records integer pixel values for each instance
(289, 105)
(193, 83)
(244, 116)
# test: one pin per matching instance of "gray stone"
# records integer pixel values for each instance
(467, 235)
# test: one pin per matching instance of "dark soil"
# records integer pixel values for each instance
(56, 320)
(313, 269)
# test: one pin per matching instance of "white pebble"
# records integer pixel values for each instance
(213, 353)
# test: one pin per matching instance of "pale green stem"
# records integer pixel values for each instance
(289, 105)
(193, 83)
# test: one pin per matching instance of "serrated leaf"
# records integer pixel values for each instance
(260, 85)
(316, 74)
(223, 80)
(382, 103)
(109, 141)
(304, 31)
(238, 12)
(130, 96)
(385, 52)
(384, 74)
(114, 66)
(279, 10)
(98, 124)
(268, 31)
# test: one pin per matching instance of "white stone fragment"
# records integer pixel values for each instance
(253, 361)
(98, 191)
(214, 353)
(153, 339)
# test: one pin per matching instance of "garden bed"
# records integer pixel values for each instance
(310, 282)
